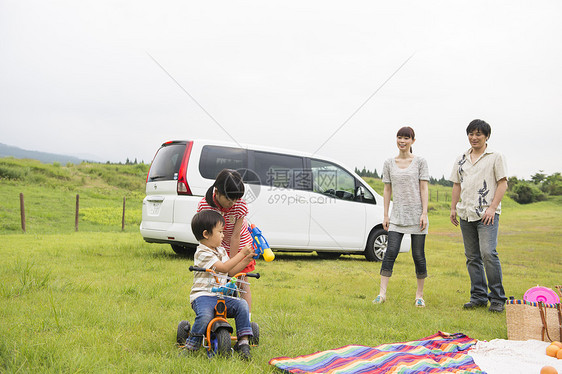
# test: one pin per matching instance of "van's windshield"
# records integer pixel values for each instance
(167, 162)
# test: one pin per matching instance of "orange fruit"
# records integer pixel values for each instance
(559, 354)
(558, 344)
(548, 370)
(552, 350)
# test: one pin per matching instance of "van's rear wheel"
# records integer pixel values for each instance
(376, 245)
(184, 250)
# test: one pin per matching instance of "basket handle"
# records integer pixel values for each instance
(542, 310)
(559, 289)
(559, 307)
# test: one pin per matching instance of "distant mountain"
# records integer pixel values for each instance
(48, 158)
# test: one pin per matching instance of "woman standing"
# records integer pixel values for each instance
(406, 179)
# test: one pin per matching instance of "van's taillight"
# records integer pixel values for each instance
(183, 187)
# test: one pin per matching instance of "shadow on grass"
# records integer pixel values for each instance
(163, 253)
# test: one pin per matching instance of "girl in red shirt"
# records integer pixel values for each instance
(225, 197)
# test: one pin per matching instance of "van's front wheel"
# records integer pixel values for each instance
(376, 245)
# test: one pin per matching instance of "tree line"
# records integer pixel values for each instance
(374, 174)
(537, 188)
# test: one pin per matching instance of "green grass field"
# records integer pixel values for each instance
(102, 300)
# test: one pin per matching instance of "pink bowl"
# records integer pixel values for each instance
(544, 294)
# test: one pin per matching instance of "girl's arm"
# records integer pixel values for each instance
(424, 192)
(387, 194)
(235, 238)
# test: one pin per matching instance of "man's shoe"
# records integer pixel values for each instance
(472, 305)
(496, 307)
(243, 350)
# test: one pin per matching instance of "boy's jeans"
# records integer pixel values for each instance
(204, 308)
(482, 260)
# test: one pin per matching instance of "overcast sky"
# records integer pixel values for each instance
(113, 79)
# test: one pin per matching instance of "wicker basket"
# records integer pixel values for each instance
(525, 321)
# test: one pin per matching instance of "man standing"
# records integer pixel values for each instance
(480, 181)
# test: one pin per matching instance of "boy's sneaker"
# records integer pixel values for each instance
(496, 307)
(243, 350)
(186, 352)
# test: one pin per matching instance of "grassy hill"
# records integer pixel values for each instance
(50, 195)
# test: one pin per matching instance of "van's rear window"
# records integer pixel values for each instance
(214, 159)
(167, 162)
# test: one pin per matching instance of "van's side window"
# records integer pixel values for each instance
(332, 180)
(281, 171)
(214, 159)
(167, 162)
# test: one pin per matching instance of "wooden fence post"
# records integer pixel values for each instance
(123, 217)
(22, 211)
(77, 211)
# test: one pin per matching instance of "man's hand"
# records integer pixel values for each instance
(453, 217)
(489, 215)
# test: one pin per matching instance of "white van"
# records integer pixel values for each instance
(301, 203)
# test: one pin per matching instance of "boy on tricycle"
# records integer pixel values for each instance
(207, 226)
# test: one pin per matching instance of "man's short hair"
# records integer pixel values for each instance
(479, 125)
(205, 220)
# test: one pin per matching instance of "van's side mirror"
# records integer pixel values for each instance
(359, 193)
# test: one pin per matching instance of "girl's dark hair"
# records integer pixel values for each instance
(479, 125)
(407, 132)
(205, 220)
(228, 183)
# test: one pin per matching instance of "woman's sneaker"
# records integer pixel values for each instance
(379, 299)
(420, 302)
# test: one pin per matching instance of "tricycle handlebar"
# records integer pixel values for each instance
(251, 275)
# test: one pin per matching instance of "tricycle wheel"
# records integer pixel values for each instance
(255, 340)
(183, 332)
(224, 343)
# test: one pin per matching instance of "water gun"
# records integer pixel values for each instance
(260, 245)
(229, 289)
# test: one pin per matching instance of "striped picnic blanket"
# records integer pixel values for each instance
(438, 353)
